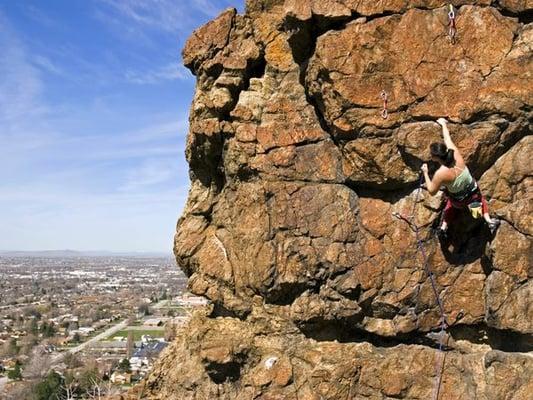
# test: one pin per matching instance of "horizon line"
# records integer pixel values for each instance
(92, 252)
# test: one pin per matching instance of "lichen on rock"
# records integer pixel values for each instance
(317, 290)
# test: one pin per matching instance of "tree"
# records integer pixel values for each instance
(16, 373)
(32, 312)
(13, 349)
(72, 361)
(89, 381)
(51, 387)
(70, 390)
(100, 313)
(76, 338)
(124, 365)
(33, 328)
(171, 313)
(144, 309)
(9, 349)
(38, 365)
(48, 330)
(27, 343)
(73, 325)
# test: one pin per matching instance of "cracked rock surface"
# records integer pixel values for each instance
(318, 291)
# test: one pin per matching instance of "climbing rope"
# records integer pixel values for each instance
(452, 30)
(420, 246)
(439, 367)
(385, 98)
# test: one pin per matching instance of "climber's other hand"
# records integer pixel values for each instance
(424, 168)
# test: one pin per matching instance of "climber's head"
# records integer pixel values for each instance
(441, 154)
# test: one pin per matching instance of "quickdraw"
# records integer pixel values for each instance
(385, 98)
(452, 29)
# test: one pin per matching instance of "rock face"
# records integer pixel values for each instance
(318, 291)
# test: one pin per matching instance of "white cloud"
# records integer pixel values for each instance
(135, 162)
(46, 65)
(78, 207)
(47, 144)
(172, 127)
(20, 85)
(62, 219)
(161, 139)
(122, 29)
(169, 72)
(148, 22)
(151, 172)
(166, 15)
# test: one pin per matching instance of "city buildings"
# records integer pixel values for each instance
(90, 310)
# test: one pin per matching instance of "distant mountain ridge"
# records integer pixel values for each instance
(75, 253)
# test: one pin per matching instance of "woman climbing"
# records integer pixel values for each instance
(461, 188)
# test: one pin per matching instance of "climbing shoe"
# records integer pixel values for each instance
(493, 226)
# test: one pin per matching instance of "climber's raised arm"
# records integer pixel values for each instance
(448, 142)
(446, 134)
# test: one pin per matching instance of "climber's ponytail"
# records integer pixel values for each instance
(445, 155)
(450, 159)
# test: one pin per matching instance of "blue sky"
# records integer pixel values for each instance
(93, 120)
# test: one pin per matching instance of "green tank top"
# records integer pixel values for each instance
(461, 181)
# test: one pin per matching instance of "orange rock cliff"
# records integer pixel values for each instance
(318, 291)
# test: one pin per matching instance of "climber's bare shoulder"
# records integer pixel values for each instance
(443, 175)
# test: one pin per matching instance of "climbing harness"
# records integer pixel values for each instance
(385, 98)
(439, 367)
(452, 30)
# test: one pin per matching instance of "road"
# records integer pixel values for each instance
(146, 328)
(82, 346)
(103, 335)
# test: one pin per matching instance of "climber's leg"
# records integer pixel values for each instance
(484, 206)
(492, 223)
(485, 209)
(449, 215)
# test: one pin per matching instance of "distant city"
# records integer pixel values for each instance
(93, 322)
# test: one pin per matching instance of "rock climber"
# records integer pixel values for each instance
(461, 188)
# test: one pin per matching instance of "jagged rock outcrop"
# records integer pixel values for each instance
(317, 290)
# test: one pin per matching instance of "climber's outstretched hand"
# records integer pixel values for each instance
(442, 121)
